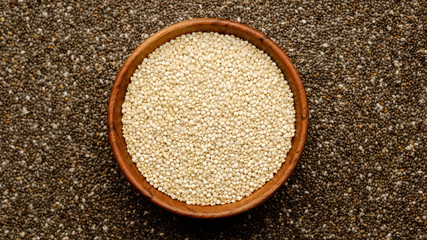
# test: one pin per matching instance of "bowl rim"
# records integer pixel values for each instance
(117, 146)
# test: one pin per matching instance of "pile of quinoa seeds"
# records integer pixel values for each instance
(208, 118)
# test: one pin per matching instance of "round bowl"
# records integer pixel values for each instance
(117, 97)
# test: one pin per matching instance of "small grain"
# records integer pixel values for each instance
(208, 118)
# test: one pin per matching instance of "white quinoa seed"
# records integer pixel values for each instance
(208, 118)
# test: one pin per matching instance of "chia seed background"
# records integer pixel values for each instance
(363, 172)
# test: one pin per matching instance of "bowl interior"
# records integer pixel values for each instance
(118, 94)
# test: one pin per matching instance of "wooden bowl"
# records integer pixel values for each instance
(117, 97)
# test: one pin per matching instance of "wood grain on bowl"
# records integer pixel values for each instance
(117, 97)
